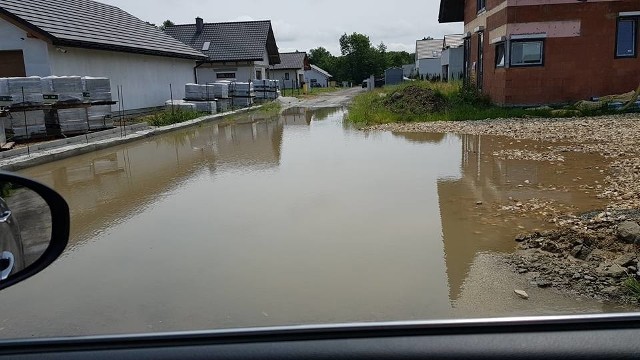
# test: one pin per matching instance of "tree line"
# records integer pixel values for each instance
(359, 59)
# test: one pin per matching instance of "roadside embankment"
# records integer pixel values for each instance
(592, 254)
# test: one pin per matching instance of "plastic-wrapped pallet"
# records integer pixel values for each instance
(69, 89)
(220, 90)
(73, 120)
(179, 105)
(27, 124)
(242, 102)
(25, 90)
(241, 89)
(100, 117)
(98, 88)
(223, 105)
(208, 107)
(195, 92)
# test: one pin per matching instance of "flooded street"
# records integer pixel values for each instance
(296, 219)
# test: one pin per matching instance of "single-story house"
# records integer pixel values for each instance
(291, 69)
(428, 58)
(88, 38)
(529, 53)
(241, 51)
(317, 77)
(453, 57)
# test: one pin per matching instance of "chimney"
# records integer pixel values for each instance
(199, 25)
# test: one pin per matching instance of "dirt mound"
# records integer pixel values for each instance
(415, 100)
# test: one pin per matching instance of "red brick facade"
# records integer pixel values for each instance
(575, 67)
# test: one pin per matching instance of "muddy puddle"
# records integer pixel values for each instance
(296, 219)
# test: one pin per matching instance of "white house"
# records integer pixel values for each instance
(291, 69)
(241, 51)
(80, 37)
(428, 54)
(317, 77)
(453, 57)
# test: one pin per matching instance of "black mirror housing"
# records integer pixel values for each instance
(60, 227)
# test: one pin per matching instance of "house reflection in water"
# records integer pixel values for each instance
(114, 184)
(469, 229)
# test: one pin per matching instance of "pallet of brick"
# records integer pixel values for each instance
(220, 89)
(73, 120)
(223, 105)
(242, 102)
(97, 89)
(242, 89)
(66, 89)
(22, 91)
(208, 107)
(100, 117)
(194, 92)
(26, 124)
(179, 105)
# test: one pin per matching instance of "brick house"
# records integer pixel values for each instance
(526, 52)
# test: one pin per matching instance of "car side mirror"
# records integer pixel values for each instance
(34, 228)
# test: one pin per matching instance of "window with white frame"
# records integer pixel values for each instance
(481, 5)
(527, 53)
(627, 37)
(501, 55)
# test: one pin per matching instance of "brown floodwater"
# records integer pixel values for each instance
(295, 219)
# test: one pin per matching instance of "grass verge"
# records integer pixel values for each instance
(317, 91)
(422, 101)
(633, 286)
(168, 117)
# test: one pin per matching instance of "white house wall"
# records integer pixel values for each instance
(35, 51)
(145, 79)
(455, 61)
(431, 67)
(280, 75)
(322, 79)
(244, 71)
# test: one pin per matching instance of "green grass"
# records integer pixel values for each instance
(633, 286)
(168, 117)
(272, 107)
(460, 104)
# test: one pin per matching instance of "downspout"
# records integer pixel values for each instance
(195, 71)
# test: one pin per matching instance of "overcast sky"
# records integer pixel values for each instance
(306, 24)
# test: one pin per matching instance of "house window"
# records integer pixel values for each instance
(258, 74)
(482, 5)
(226, 75)
(286, 76)
(627, 37)
(501, 55)
(527, 53)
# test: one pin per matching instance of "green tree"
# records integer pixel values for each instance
(166, 24)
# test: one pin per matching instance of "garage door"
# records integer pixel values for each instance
(12, 63)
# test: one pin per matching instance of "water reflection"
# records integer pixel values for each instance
(297, 219)
(110, 186)
(469, 229)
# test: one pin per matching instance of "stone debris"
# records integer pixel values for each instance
(522, 294)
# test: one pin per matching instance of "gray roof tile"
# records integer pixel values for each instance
(230, 41)
(90, 24)
(294, 60)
